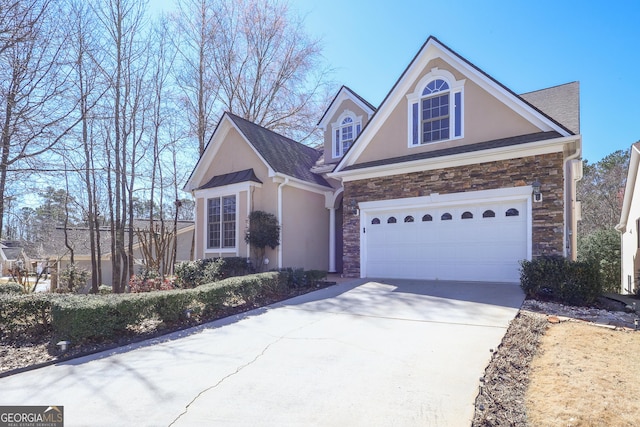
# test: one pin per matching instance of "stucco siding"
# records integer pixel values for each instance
(347, 104)
(305, 230)
(485, 118)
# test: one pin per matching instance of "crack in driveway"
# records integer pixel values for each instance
(238, 370)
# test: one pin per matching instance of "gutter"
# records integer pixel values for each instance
(571, 236)
(280, 186)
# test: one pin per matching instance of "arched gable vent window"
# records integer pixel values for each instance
(345, 130)
(488, 214)
(436, 109)
(375, 221)
(408, 218)
(512, 212)
(446, 217)
(467, 215)
(391, 220)
(427, 218)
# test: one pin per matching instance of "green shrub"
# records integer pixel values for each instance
(20, 313)
(105, 290)
(171, 307)
(299, 278)
(78, 317)
(603, 248)
(73, 278)
(11, 288)
(558, 279)
(191, 274)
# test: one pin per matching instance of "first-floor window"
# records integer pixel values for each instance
(221, 222)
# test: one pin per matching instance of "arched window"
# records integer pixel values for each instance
(446, 217)
(512, 212)
(435, 109)
(488, 214)
(408, 218)
(467, 215)
(345, 131)
(426, 218)
(391, 220)
(375, 221)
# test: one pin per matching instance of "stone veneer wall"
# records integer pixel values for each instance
(548, 215)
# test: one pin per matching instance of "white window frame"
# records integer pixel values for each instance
(337, 149)
(455, 87)
(222, 247)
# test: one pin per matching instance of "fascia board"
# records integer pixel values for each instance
(212, 149)
(226, 189)
(430, 51)
(298, 183)
(455, 160)
(629, 189)
(342, 95)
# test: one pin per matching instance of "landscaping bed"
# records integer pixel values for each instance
(36, 346)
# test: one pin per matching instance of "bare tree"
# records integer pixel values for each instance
(123, 23)
(194, 26)
(268, 69)
(33, 81)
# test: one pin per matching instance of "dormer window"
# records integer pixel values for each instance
(435, 109)
(345, 131)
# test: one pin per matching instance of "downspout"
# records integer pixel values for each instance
(282, 184)
(570, 235)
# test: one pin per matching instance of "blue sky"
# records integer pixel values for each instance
(526, 45)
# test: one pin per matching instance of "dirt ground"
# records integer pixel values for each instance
(585, 375)
(560, 365)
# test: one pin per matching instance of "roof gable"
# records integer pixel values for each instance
(431, 50)
(344, 93)
(281, 155)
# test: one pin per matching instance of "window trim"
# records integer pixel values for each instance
(456, 112)
(337, 149)
(222, 247)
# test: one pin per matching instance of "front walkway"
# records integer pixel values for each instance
(360, 353)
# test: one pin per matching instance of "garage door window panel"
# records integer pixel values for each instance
(512, 212)
(446, 217)
(488, 214)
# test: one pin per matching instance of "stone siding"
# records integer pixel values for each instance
(548, 215)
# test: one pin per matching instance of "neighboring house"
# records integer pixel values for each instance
(56, 251)
(629, 226)
(453, 177)
(11, 255)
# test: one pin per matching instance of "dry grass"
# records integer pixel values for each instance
(573, 373)
(585, 375)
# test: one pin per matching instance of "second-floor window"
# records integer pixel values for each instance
(345, 131)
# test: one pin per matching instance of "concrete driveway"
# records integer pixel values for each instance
(362, 353)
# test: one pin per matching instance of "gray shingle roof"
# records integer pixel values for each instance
(562, 103)
(284, 155)
(496, 143)
(231, 178)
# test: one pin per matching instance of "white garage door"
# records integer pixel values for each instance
(480, 241)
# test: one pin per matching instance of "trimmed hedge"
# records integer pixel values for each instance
(20, 312)
(11, 288)
(77, 317)
(558, 279)
(191, 274)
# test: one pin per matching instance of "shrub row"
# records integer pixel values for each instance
(80, 317)
(558, 279)
(190, 274)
